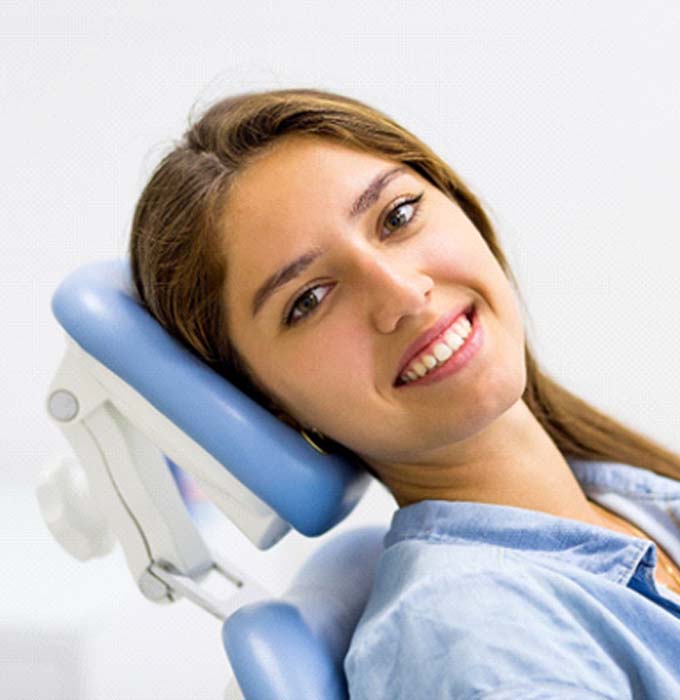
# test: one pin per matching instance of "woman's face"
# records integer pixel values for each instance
(383, 277)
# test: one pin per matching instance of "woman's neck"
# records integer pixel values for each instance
(512, 462)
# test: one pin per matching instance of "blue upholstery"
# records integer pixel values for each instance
(293, 648)
(98, 308)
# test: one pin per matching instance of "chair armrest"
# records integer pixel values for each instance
(294, 646)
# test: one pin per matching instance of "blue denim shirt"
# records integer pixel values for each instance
(476, 601)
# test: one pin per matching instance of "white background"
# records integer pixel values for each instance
(562, 117)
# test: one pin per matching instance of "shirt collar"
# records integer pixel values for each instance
(556, 540)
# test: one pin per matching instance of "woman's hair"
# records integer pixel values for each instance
(180, 272)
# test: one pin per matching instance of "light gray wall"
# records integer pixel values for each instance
(562, 117)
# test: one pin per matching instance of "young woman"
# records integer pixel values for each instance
(329, 264)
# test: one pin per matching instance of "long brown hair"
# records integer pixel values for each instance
(179, 273)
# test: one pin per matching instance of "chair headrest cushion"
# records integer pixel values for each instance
(97, 306)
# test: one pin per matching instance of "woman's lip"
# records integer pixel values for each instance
(457, 362)
(423, 340)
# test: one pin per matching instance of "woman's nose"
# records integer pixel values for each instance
(394, 288)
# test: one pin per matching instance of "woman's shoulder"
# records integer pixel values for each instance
(451, 583)
(448, 617)
(429, 560)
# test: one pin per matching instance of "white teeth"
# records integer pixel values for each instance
(420, 368)
(442, 351)
(430, 361)
(461, 326)
(453, 339)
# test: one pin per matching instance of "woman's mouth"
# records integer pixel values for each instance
(446, 354)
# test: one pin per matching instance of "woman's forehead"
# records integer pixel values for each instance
(297, 186)
(311, 162)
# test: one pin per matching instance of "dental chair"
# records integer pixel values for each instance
(134, 402)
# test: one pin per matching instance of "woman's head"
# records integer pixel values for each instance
(260, 180)
(382, 277)
(263, 178)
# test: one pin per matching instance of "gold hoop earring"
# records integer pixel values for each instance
(306, 436)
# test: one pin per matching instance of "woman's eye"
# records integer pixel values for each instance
(396, 215)
(307, 309)
(400, 216)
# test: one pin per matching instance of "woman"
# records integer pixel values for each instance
(328, 263)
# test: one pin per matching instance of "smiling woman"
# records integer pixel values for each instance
(328, 263)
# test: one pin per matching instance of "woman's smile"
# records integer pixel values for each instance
(449, 364)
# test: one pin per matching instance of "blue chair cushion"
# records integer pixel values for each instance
(98, 308)
(294, 647)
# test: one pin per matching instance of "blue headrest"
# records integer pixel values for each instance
(98, 307)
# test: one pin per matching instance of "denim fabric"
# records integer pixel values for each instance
(476, 601)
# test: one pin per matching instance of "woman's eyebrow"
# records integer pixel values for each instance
(296, 267)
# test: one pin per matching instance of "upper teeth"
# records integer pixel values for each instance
(445, 347)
